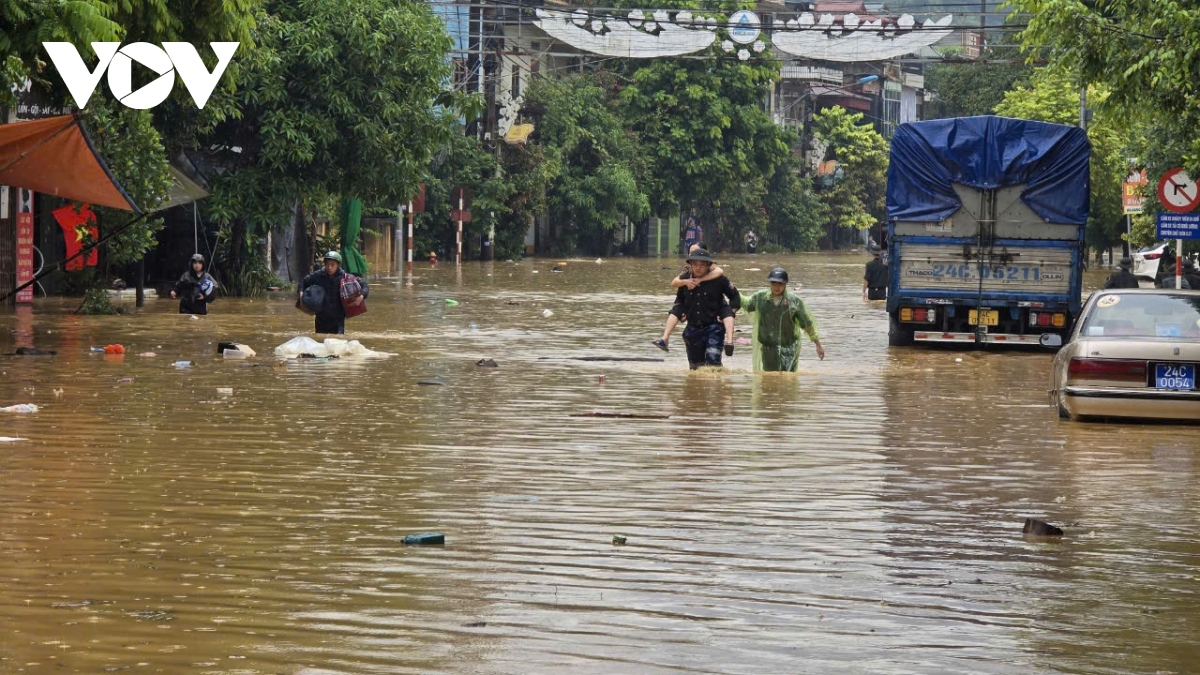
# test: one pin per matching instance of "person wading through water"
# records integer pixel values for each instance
(702, 308)
(778, 318)
(325, 300)
(195, 289)
(875, 280)
(1122, 278)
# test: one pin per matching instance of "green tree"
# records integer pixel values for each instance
(795, 214)
(133, 152)
(973, 88)
(26, 24)
(336, 99)
(1144, 52)
(1053, 96)
(463, 162)
(855, 199)
(703, 123)
(592, 162)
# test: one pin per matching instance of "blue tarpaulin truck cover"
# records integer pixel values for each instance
(989, 152)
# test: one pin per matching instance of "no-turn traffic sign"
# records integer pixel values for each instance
(1177, 192)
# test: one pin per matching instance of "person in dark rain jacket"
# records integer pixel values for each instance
(195, 289)
(1122, 278)
(331, 314)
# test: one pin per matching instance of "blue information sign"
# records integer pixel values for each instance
(1179, 226)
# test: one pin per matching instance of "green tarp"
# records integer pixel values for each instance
(352, 258)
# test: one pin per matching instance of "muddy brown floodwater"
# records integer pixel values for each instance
(863, 516)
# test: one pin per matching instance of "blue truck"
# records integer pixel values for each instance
(985, 230)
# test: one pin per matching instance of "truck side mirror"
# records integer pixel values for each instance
(1051, 340)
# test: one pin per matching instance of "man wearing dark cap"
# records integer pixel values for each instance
(1122, 278)
(780, 316)
(701, 307)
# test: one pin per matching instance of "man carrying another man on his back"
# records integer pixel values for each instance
(701, 306)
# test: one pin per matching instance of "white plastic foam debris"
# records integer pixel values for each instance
(21, 408)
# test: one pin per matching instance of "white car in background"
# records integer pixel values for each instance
(1146, 262)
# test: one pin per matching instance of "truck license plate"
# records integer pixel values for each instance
(1173, 376)
(991, 317)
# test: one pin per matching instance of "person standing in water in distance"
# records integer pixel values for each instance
(685, 279)
(195, 289)
(331, 315)
(778, 318)
(875, 280)
(1122, 278)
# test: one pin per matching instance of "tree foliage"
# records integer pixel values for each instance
(856, 198)
(1053, 96)
(1143, 51)
(795, 214)
(335, 98)
(462, 163)
(709, 140)
(26, 24)
(967, 89)
(133, 151)
(594, 165)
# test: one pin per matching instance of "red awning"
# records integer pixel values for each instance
(54, 156)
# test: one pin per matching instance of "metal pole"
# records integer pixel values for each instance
(1178, 264)
(1083, 107)
(458, 235)
(1125, 249)
(409, 243)
(399, 246)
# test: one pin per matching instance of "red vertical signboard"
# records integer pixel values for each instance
(24, 243)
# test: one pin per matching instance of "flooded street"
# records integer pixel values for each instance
(863, 516)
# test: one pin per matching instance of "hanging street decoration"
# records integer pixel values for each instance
(664, 33)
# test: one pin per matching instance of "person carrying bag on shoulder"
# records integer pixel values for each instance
(331, 295)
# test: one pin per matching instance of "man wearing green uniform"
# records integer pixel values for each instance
(779, 316)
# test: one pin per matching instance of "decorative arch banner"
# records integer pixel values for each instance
(663, 33)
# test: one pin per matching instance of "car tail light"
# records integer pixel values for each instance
(1152, 256)
(906, 314)
(1119, 370)
(1060, 320)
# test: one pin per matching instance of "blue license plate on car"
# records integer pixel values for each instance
(1174, 376)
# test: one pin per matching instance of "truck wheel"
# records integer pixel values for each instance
(898, 336)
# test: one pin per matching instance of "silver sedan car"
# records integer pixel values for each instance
(1133, 354)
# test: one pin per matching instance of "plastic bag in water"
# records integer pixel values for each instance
(298, 346)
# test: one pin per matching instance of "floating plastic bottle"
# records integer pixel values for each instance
(183, 364)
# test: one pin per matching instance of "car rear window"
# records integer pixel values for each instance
(1144, 315)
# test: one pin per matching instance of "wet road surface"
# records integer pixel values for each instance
(863, 516)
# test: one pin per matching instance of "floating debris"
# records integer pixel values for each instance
(425, 539)
(33, 351)
(1040, 528)
(487, 363)
(21, 408)
(618, 540)
(623, 416)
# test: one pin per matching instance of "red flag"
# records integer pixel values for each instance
(76, 226)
